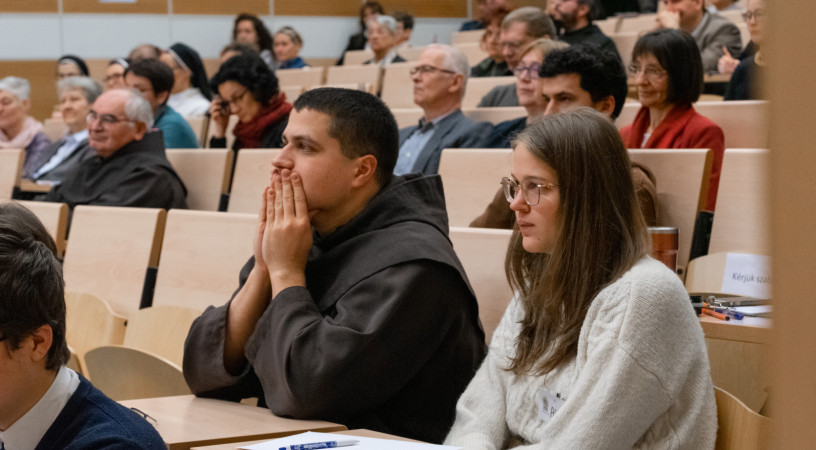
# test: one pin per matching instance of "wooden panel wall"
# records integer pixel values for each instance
(94, 6)
(792, 93)
(351, 8)
(42, 76)
(29, 6)
(232, 7)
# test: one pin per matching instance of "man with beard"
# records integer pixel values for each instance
(576, 27)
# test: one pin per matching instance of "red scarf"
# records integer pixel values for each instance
(251, 133)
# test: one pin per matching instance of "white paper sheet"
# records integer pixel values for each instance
(366, 443)
(748, 275)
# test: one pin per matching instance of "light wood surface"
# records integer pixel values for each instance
(199, 125)
(474, 52)
(682, 184)
(109, 251)
(292, 92)
(201, 256)
(307, 76)
(41, 75)
(55, 129)
(411, 54)
(479, 87)
(27, 185)
(482, 253)
(233, 120)
(744, 123)
(369, 73)
(54, 217)
(495, 115)
(471, 178)
(97, 7)
(407, 117)
(124, 373)
(351, 8)
(11, 167)
(90, 323)
(739, 428)
(361, 433)
(738, 353)
(638, 23)
(205, 173)
(742, 220)
(357, 57)
(28, 6)
(467, 37)
(253, 169)
(161, 330)
(398, 88)
(186, 421)
(625, 43)
(220, 7)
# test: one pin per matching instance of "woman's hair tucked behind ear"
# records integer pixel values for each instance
(601, 234)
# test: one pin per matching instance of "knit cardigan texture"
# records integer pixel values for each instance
(640, 378)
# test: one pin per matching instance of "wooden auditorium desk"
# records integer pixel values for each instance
(363, 433)
(185, 421)
(27, 185)
(738, 352)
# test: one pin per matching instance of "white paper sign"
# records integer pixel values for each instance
(748, 275)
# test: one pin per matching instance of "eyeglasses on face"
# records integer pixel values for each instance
(650, 72)
(530, 190)
(425, 69)
(531, 70)
(105, 119)
(225, 104)
(758, 14)
(115, 76)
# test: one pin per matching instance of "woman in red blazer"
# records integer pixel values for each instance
(668, 72)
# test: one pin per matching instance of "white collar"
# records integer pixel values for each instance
(28, 430)
(77, 137)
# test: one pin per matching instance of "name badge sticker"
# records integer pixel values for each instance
(548, 404)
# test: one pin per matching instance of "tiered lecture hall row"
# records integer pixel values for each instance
(136, 278)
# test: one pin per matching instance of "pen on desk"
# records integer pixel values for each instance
(713, 313)
(730, 312)
(317, 445)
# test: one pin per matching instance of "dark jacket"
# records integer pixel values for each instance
(58, 173)
(92, 420)
(592, 36)
(137, 174)
(385, 335)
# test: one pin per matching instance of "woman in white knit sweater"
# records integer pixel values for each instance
(600, 348)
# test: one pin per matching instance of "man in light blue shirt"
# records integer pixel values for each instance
(439, 80)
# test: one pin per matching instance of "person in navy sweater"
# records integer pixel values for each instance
(44, 404)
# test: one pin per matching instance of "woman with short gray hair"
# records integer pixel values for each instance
(17, 128)
(76, 95)
(382, 38)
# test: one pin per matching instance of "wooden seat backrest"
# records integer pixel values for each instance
(482, 253)
(90, 323)
(473, 51)
(495, 115)
(11, 168)
(682, 183)
(307, 76)
(161, 330)
(739, 428)
(357, 57)
(109, 250)
(233, 120)
(205, 173)
(369, 73)
(471, 177)
(124, 373)
(479, 87)
(199, 125)
(54, 216)
(253, 169)
(466, 37)
(398, 89)
(202, 254)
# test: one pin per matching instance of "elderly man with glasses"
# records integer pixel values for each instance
(130, 167)
(439, 80)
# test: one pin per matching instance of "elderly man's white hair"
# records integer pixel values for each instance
(138, 109)
(18, 87)
(455, 60)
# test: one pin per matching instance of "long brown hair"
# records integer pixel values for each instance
(601, 235)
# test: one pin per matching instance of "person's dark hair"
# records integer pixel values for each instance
(602, 74)
(601, 234)
(593, 8)
(191, 61)
(251, 72)
(360, 122)
(158, 73)
(75, 60)
(375, 6)
(679, 55)
(539, 23)
(406, 19)
(31, 284)
(240, 48)
(264, 36)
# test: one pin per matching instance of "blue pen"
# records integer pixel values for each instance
(730, 312)
(316, 445)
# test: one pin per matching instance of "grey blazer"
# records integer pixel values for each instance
(57, 174)
(714, 33)
(454, 131)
